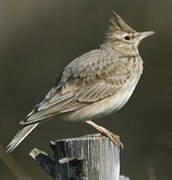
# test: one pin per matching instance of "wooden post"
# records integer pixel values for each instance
(83, 158)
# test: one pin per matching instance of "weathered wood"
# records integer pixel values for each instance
(83, 158)
(44, 161)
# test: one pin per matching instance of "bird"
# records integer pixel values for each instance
(94, 84)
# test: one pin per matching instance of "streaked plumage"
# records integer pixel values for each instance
(94, 84)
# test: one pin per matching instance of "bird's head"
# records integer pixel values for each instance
(121, 35)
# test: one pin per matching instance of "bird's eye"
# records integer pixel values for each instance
(127, 38)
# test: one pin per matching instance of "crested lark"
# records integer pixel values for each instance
(94, 84)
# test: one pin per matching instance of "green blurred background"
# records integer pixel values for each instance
(38, 38)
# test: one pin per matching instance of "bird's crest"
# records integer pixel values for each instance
(118, 24)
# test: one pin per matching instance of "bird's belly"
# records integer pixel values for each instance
(118, 101)
(102, 107)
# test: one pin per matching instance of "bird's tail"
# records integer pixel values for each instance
(20, 137)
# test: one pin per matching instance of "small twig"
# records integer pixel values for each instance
(14, 167)
(44, 161)
(151, 170)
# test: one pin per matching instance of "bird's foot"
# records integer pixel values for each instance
(113, 138)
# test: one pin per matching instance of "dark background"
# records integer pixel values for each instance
(38, 38)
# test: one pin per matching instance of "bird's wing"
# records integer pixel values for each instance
(92, 77)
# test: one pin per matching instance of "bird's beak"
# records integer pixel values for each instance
(145, 34)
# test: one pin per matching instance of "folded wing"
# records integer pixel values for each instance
(92, 77)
